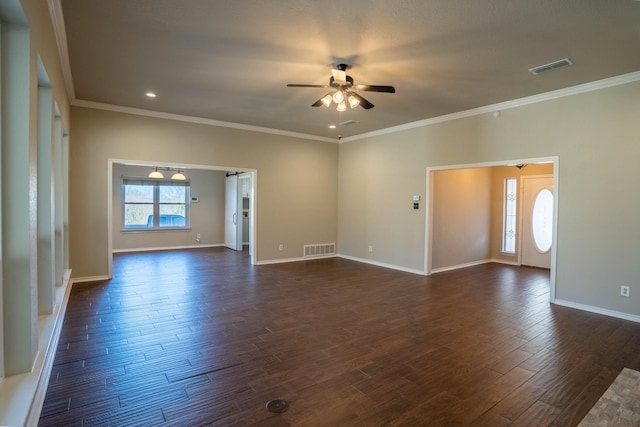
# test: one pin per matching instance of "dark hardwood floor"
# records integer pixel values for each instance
(202, 338)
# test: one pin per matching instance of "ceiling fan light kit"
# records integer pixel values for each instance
(345, 90)
(353, 101)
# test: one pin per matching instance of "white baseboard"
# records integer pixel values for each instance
(166, 248)
(598, 310)
(456, 267)
(502, 261)
(90, 279)
(383, 264)
(22, 396)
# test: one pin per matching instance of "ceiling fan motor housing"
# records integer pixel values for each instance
(333, 83)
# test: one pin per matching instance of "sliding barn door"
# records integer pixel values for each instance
(233, 215)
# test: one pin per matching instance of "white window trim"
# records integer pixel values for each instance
(157, 183)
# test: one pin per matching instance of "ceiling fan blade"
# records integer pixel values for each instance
(374, 88)
(302, 85)
(363, 102)
(339, 76)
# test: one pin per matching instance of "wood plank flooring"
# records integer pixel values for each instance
(202, 338)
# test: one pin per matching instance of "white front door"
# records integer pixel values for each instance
(537, 221)
(232, 215)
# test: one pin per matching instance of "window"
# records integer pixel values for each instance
(542, 221)
(154, 204)
(509, 221)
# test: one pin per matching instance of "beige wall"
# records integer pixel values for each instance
(596, 136)
(377, 181)
(206, 216)
(296, 179)
(461, 216)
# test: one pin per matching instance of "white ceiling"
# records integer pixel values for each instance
(230, 60)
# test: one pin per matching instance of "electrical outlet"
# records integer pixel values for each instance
(281, 247)
(370, 248)
(624, 291)
(198, 236)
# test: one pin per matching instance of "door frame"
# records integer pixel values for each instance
(555, 160)
(253, 200)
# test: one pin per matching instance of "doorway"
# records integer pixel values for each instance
(238, 197)
(429, 215)
(252, 213)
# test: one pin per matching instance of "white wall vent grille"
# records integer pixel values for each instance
(319, 250)
(551, 66)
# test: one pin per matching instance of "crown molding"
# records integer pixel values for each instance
(198, 120)
(560, 93)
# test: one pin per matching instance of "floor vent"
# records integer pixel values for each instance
(324, 249)
(551, 66)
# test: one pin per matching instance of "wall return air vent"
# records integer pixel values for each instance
(551, 66)
(320, 250)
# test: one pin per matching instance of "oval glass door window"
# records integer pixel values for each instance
(542, 220)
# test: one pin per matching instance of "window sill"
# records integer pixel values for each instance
(508, 253)
(153, 230)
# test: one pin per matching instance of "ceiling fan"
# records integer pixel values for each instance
(344, 91)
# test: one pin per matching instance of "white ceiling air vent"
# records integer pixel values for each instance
(348, 122)
(551, 66)
(320, 250)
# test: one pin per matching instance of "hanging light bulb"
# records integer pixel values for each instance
(342, 106)
(326, 100)
(338, 97)
(353, 101)
(156, 174)
(179, 176)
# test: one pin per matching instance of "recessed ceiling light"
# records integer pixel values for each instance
(150, 95)
(332, 126)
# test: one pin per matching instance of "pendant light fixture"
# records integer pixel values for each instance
(156, 174)
(179, 176)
